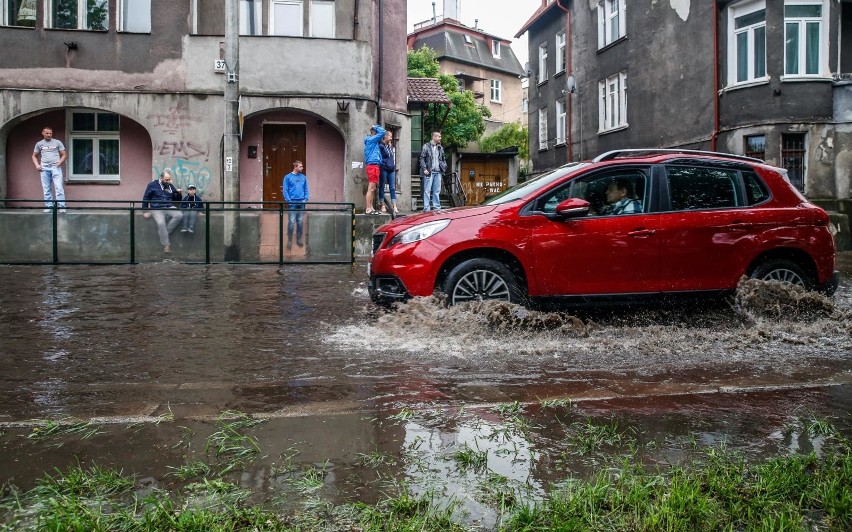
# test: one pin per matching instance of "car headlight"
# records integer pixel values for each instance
(419, 232)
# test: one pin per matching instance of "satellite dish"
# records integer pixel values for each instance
(571, 84)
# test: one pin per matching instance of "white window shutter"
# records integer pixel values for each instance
(622, 19)
(601, 25)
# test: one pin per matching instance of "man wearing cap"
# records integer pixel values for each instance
(191, 204)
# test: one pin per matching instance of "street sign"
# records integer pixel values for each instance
(219, 65)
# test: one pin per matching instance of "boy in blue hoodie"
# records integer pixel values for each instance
(372, 161)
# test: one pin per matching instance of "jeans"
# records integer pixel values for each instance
(52, 175)
(189, 217)
(167, 220)
(432, 189)
(295, 217)
(387, 177)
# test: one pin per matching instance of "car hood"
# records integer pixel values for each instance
(444, 214)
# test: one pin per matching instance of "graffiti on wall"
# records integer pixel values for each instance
(177, 146)
(187, 173)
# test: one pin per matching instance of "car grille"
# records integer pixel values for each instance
(378, 238)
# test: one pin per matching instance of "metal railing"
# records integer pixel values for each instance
(117, 232)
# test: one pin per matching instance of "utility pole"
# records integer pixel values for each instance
(231, 166)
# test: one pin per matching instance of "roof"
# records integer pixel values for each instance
(542, 9)
(447, 38)
(426, 90)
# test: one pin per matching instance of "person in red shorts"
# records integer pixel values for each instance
(372, 160)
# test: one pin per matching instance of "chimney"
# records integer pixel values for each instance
(452, 9)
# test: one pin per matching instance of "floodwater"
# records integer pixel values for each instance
(152, 355)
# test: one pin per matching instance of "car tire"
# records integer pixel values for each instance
(785, 271)
(480, 279)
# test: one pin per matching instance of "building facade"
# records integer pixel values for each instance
(132, 87)
(756, 77)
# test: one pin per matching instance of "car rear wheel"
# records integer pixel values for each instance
(784, 271)
(479, 279)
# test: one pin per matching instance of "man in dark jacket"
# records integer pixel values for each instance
(160, 197)
(432, 165)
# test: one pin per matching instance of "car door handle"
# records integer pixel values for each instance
(642, 232)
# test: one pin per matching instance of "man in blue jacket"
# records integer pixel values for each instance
(295, 187)
(372, 161)
(160, 197)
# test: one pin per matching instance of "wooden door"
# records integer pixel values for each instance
(282, 144)
(483, 179)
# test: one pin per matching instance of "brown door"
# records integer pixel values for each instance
(282, 144)
(483, 179)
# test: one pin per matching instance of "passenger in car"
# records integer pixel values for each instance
(620, 198)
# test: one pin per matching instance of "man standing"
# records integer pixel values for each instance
(295, 189)
(432, 166)
(52, 155)
(372, 161)
(160, 196)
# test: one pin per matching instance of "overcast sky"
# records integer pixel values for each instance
(501, 18)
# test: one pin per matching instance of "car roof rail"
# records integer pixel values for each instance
(610, 155)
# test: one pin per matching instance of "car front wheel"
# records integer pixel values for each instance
(784, 271)
(479, 279)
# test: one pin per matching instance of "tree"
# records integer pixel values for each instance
(465, 121)
(512, 134)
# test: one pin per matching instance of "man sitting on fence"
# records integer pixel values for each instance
(160, 197)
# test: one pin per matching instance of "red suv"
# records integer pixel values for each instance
(629, 225)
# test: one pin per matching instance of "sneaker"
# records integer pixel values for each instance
(190, 231)
(167, 249)
(47, 210)
(63, 211)
(184, 230)
(300, 243)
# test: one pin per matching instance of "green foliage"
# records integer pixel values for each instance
(465, 121)
(512, 134)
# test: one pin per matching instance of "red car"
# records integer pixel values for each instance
(629, 225)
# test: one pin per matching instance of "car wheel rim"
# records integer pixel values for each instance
(479, 285)
(785, 276)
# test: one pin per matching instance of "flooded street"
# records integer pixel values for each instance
(150, 361)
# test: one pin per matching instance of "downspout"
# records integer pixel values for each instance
(568, 71)
(355, 22)
(381, 62)
(715, 75)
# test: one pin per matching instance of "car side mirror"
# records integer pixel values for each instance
(573, 208)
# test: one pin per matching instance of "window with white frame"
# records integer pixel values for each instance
(94, 145)
(496, 90)
(803, 37)
(542, 128)
(251, 20)
(134, 16)
(322, 18)
(747, 42)
(612, 21)
(560, 52)
(525, 105)
(286, 18)
(561, 122)
(495, 48)
(18, 13)
(542, 63)
(78, 14)
(612, 111)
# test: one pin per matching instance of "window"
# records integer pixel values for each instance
(322, 18)
(496, 90)
(134, 16)
(542, 63)
(793, 158)
(18, 13)
(755, 146)
(747, 45)
(560, 52)
(462, 84)
(525, 105)
(495, 48)
(803, 38)
(250, 17)
(612, 21)
(79, 14)
(94, 145)
(612, 113)
(286, 18)
(468, 40)
(594, 190)
(561, 122)
(694, 187)
(542, 129)
(756, 191)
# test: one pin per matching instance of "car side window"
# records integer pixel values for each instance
(614, 192)
(696, 187)
(756, 191)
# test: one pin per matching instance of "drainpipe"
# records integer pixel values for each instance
(381, 62)
(355, 22)
(568, 71)
(715, 76)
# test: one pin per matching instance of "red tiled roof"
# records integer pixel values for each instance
(426, 90)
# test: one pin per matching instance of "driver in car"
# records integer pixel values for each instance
(620, 198)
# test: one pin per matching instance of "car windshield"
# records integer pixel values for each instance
(524, 189)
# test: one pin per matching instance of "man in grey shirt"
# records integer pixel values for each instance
(48, 156)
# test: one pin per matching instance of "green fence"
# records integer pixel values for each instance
(117, 232)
